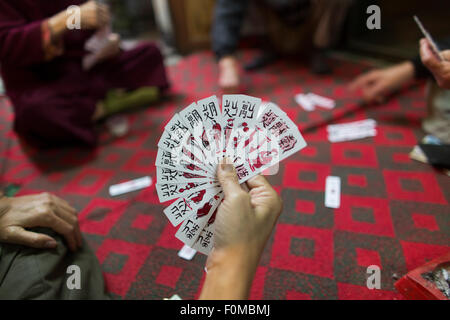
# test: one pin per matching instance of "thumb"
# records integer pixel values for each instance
(19, 235)
(226, 173)
(258, 181)
(427, 56)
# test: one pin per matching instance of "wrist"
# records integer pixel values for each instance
(407, 70)
(57, 24)
(230, 272)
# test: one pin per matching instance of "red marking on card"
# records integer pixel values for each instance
(189, 186)
(213, 217)
(199, 196)
(203, 211)
(187, 204)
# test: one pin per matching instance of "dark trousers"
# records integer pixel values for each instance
(28, 273)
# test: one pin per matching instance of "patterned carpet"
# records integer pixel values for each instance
(394, 211)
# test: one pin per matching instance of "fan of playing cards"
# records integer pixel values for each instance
(254, 135)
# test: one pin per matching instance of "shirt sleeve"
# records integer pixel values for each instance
(21, 42)
(52, 47)
(228, 19)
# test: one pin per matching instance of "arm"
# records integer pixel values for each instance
(230, 274)
(378, 84)
(24, 43)
(20, 40)
(244, 223)
(93, 15)
(228, 18)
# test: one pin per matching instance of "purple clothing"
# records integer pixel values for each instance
(54, 101)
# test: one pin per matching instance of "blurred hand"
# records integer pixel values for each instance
(440, 69)
(112, 49)
(94, 15)
(41, 210)
(245, 218)
(377, 84)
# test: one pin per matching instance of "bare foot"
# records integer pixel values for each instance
(229, 78)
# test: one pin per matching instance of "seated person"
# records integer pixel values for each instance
(378, 84)
(55, 99)
(287, 21)
(34, 258)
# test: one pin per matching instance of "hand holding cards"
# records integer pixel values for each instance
(253, 136)
(433, 45)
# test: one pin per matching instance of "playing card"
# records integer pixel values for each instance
(281, 129)
(174, 134)
(189, 153)
(169, 160)
(205, 240)
(130, 186)
(241, 114)
(352, 126)
(321, 101)
(182, 208)
(278, 138)
(170, 191)
(187, 253)
(305, 102)
(195, 120)
(194, 224)
(332, 192)
(229, 112)
(178, 140)
(352, 130)
(248, 110)
(213, 124)
(254, 135)
(165, 175)
(348, 135)
(434, 46)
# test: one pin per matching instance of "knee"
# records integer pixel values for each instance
(55, 123)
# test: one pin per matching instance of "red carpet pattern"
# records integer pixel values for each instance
(394, 211)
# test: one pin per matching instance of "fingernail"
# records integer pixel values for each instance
(227, 165)
(50, 244)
